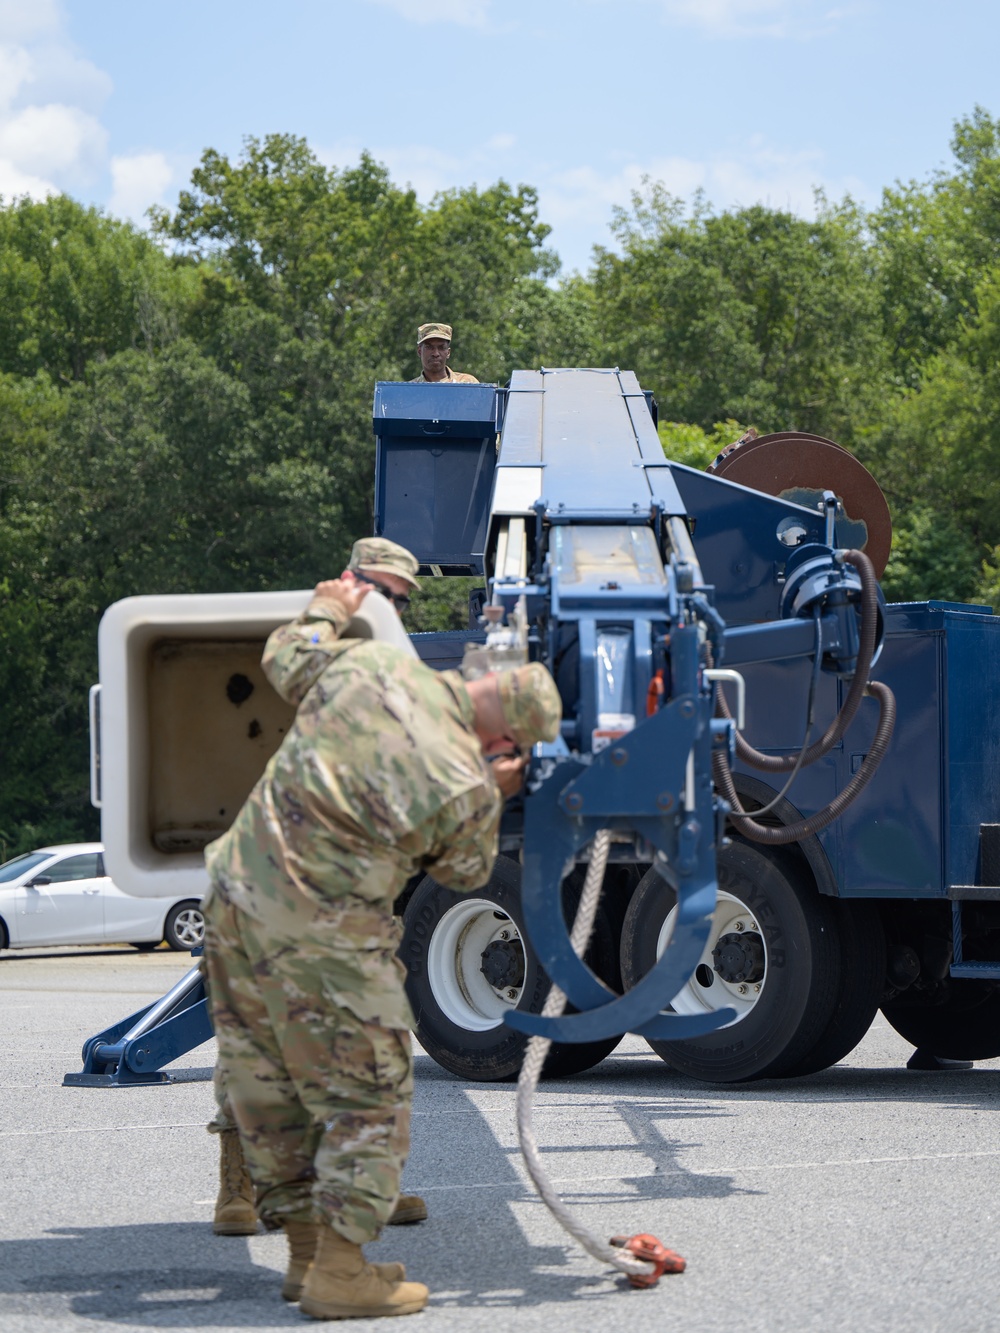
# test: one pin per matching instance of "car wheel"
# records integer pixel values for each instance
(185, 927)
(468, 961)
(773, 955)
(4, 934)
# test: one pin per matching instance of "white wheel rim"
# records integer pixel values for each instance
(455, 959)
(705, 991)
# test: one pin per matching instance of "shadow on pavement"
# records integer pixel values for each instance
(159, 1275)
(179, 1276)
(636, 1074)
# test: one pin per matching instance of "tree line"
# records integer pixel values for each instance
(188, 408)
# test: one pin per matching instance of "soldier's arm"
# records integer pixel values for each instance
(466, 839)
(295, 654)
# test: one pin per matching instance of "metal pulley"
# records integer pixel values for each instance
(799, 467)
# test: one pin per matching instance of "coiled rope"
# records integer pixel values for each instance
(531, 1070)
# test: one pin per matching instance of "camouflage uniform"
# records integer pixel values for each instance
(380, 775)
(450, 377)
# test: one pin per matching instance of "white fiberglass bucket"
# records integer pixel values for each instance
(184, 722)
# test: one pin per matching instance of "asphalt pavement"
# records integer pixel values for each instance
(863, 1198)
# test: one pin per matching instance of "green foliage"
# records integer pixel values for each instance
(932, 558)
(695, 447)
(76, 287)
(441, 604)
(755, 315)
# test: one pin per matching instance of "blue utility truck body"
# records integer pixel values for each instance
(760, 903)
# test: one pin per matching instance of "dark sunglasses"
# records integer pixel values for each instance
(399, 600)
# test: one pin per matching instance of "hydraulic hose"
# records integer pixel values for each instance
(772, 763)
(764, 833)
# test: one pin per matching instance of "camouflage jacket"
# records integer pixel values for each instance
(450, 377)
(380, 775)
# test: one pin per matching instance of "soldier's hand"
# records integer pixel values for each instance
(349, 592)
(508, 771)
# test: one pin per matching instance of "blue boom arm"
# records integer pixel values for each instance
(592, 541)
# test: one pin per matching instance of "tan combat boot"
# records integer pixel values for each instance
(302, 1237)
(409, 1208)
(341, 1285)
(235, 1214)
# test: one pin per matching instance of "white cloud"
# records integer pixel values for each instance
(139, 180)
(15, 183)
(15, 71)
(802, 19)
(21, 20)
(731, 18)
(60, 75)
(51, 97)
(466, 13)
(60, 141)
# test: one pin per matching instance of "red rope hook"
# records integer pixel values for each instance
(654, 1252)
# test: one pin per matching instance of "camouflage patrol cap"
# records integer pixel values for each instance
(531, 705)
(433, 331)
(378, 555)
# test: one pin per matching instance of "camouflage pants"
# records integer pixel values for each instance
(223, 1118)
(321, 1097)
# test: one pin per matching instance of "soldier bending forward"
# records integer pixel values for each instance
(383, 773)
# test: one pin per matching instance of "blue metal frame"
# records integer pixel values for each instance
(135, 1050)
(434, 460)
(734, 591)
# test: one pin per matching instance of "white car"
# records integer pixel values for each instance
(62, 895)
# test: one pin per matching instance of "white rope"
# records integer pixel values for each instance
(531, 1069)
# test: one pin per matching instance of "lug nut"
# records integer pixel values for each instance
(742, 990)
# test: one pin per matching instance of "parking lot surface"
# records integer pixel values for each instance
(863, 1198)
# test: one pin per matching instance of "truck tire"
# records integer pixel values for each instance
(862, 980)
(963, 1026)
(777, 963)
(467, 960)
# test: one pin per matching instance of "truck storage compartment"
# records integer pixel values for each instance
(187, 721)
(214, 721)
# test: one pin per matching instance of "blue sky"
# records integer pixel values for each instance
(114, 100)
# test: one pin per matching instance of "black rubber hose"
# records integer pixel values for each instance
(747, 825)
(775, 763)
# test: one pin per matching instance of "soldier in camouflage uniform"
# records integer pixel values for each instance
(434, 348)
(392, 569)
(383, 773)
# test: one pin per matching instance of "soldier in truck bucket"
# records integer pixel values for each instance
(384, 772)
(434, 349)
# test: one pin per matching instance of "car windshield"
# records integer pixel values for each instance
(12, 869)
